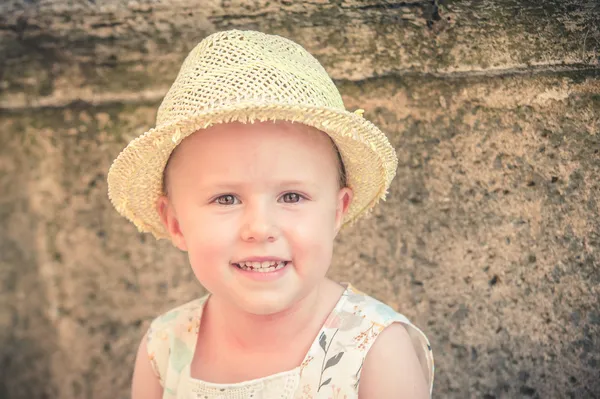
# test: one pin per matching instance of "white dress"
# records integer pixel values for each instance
(331, 368)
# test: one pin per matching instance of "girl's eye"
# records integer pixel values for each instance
(226, 199)
(291, 198)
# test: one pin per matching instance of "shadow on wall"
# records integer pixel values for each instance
(27, 336)
(514, 366)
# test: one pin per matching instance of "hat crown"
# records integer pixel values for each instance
(238, 67)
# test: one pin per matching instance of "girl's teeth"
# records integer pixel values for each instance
(261, 267)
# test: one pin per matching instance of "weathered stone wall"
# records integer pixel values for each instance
(490, 240)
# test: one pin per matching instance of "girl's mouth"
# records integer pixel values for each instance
(261, 267)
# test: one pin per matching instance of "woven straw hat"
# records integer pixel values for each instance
(247, 76)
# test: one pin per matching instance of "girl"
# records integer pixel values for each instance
(253, 168)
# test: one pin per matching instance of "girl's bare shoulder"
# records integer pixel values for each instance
(392, 368)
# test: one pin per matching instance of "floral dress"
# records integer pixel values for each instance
(331, 368)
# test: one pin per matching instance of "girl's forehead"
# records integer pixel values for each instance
(295, 138)
(279, 132)
(254, 147)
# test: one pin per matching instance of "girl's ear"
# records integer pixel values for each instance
(344, 200)
(168, 217)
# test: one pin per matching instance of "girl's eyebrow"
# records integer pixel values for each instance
(296, 183)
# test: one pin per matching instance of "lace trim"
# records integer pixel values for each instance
(277, 386)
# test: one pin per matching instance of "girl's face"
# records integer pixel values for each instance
(265, 192)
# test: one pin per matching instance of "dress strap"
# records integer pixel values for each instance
(334, 364)
(171, 342)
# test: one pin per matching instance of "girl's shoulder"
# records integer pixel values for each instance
(376, 316)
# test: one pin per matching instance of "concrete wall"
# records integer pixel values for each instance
(490, 240)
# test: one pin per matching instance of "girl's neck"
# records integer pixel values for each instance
(258, 333)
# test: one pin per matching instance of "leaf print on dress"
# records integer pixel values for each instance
(154, 365)
(344, 321)
(181, 355)
(167, 317)
(357, 375)
(365, 337)
(337, 393)
(307, 392)
(385, 311)
(332, 361)
(305, 363)
(356, 297)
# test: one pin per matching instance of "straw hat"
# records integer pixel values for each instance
(247, 76)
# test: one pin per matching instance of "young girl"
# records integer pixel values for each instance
(253, 168)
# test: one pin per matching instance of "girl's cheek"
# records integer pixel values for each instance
(208, 241)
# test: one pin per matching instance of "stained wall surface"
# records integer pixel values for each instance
(489, 241)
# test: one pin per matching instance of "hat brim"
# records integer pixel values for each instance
(135, 177)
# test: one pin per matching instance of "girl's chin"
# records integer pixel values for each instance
(268, 303)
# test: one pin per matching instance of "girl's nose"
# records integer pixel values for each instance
(258, 226)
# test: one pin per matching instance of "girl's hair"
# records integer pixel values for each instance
(342, 180)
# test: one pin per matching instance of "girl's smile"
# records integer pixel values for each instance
(270, 272)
